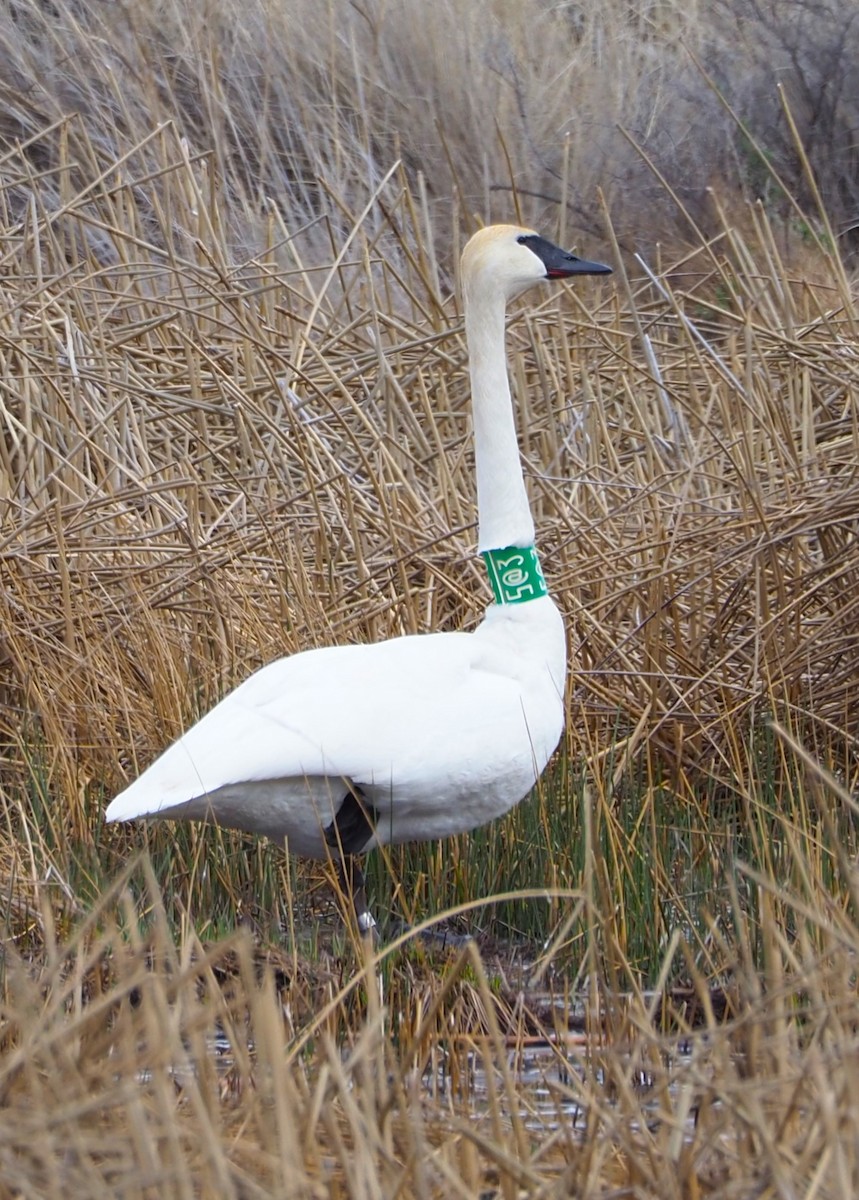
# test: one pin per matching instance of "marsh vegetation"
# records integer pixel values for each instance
(234, 423)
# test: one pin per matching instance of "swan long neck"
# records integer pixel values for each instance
(504, 514)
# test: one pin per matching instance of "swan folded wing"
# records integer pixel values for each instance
(411, 714)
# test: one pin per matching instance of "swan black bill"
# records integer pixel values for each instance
(560, 264)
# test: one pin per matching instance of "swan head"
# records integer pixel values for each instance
(508, 259)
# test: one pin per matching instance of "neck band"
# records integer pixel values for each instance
(515, 574)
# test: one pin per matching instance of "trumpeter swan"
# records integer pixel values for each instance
(340, 749)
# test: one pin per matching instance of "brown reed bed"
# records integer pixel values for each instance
(140, 1064)
(206, 465)
(233, 425)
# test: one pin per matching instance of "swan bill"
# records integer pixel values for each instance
(560, 264)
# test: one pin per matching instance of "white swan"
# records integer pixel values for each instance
(339, 749)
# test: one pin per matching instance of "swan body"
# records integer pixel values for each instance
(277, 754)
(339, 749)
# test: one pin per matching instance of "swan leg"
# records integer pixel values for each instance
(352, 881)
(348, 834)
(352, 827)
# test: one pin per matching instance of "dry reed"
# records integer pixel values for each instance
(140, 1065)
(207, 465)
(234, 423)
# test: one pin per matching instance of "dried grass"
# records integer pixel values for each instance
(136, 1066)
(234, 423)
(207, 465)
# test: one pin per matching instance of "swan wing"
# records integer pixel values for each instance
(407, 718)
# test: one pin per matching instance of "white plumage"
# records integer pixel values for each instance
(417, 737)
(441, 732)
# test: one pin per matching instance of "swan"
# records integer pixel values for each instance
(343, 748)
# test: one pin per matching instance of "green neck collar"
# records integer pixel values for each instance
(515, 574)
